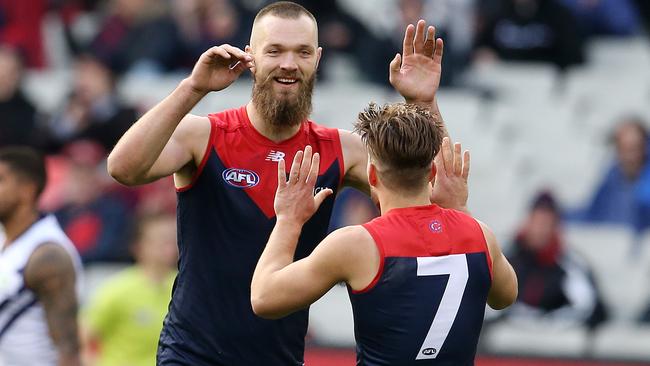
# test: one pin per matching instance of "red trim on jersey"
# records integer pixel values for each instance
(377, 239)
(429, 231)
(239, 145)
(339, 146)
(204, 159)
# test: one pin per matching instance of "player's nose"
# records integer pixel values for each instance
(288, 62)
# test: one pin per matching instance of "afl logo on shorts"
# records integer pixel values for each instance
(240, 178)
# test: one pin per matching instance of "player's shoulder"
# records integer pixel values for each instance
(350, 241)
(322, 132)
(229, 119)
(351, 232)
(49, 261)
(458, 216)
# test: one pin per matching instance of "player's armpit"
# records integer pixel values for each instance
(340, 257)
(355, 156)
(50, 274)
(503, 291)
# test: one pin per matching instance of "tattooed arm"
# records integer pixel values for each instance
(50, 274)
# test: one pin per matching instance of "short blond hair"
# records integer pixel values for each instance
(402, 140)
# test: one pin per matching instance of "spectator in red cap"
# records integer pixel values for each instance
(555, 285)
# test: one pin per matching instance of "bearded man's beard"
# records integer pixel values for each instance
(283, 112)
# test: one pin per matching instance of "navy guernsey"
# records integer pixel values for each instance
(425, 306)
(224, 220)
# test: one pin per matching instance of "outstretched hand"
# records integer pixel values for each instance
(415, 74)
(294, 199)
(452, 170)
(218, 67)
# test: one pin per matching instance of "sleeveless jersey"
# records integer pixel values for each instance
(24, 334)
(225, 218)
(426, 304)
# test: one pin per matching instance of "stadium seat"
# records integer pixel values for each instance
(536, 339)
(330, 320)
(622, 342)
(618, 271)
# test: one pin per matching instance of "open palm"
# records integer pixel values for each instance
(416, 73)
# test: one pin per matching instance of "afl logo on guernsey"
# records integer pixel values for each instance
(240, 178)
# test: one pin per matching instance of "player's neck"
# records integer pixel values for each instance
(273, 133)
(389, 200)
(18, 223)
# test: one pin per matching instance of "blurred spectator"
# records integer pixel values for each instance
(352, 208)
(530, 30)
(644, 12)
(96, 221)
(138, 37)
(645, 315)
(93, 110)
(125, 316)
(157, 196)
(18, 114)
(555, 285)
(606, 17)
(453, 20)
(623, 195)
(207, 23)
(21, 26)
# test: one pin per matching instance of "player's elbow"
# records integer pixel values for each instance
(263, 308)
(504, 297)
(501, 303)
(119, 170)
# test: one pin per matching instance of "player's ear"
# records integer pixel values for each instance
(432, 173)
(319, 52)
(372, 174)
(248, 49)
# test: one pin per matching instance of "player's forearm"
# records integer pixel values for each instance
(432, 106)
(139, 148)
(278, 253)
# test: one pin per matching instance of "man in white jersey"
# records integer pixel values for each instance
(40, 271)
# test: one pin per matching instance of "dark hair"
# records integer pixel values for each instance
(545, 200)
(403, 139)
(27, 163)
(284, 9)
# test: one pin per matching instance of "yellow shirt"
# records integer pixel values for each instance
(127, 314)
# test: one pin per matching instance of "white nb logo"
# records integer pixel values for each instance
(275, 156)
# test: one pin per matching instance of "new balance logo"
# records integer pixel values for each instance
(275, 156)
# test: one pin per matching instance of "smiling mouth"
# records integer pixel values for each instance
(286, 81)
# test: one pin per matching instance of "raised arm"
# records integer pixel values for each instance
(166, 139)
(279, 285)
(415, 74)
(503, 292)
(50, 274)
